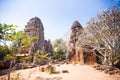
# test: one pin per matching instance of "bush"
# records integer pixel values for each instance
(50, 69)
(58, 55)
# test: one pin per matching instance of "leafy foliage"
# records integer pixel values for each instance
(40, 57)
(26, 42)
(18, 41)
(59, 43)
(60, 49)
(3, 52)
(6, 30)
(58, 55)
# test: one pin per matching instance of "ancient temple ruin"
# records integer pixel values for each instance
(47, 48)
(35, 28)
(76, 53)
(75, 31)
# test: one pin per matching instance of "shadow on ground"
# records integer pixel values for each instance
(54, 78)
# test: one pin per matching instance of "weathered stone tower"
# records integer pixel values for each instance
(35, 28)
(75, 31)
(76, 53)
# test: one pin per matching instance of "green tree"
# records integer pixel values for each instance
(59, 43)
(18, 41)
(6, 30)
(6, 52)
(59, 46)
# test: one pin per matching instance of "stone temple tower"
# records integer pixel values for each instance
(83, 55)
(35, 28)
(75, 31)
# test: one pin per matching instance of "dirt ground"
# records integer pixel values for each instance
(75, 72)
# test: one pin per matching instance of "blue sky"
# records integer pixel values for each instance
(57, 16)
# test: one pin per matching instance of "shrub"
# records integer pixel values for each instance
(50, 69)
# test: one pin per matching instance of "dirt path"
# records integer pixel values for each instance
(75, 72)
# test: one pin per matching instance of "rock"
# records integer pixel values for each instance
(98, 68)
(42, 69)
(110, 72)
(115, 71)
(106, 71)
(110, 68)
(103, 67)
(94, 66)
(65, 71)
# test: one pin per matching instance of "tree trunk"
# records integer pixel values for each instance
(111, 61)
(10, 68)
(105, 59)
